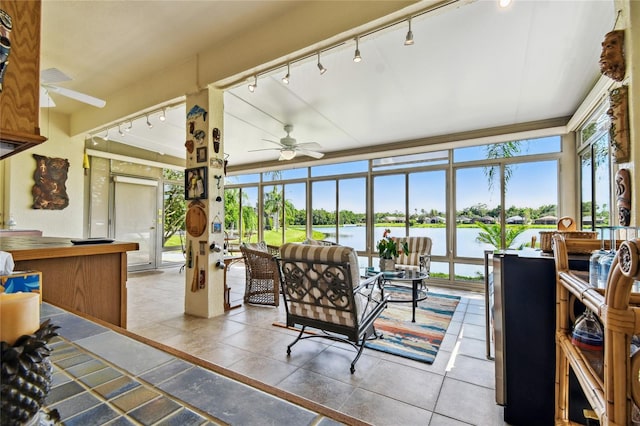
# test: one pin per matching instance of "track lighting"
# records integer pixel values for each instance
(252, 86)
(320, 67)
(408, 41)
(149, 125)
(285, 79)
(128, 129)
(163, 116)
(106, 134)
(357, 57)
(120, 132)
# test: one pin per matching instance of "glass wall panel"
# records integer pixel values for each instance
(586, 184)
(428, 208)
(174, 211)
(602, 181)
(249, 207)
(340, 168)
(477, 200)
(545, 145)
(295, 212)
(531, 196)
(323, 208)
(389, 201)
(238, 179)
(352, 216)
(272, 214)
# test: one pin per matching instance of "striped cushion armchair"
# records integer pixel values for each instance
(322, 289)
(419, 256)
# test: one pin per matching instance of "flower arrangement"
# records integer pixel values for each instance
(388, 248)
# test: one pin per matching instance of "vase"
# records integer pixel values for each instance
(387, 265)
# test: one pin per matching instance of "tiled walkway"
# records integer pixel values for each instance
(457, 389)
(102, 377)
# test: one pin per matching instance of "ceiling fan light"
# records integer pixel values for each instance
(287, 153)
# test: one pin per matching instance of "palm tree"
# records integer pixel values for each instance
(273, 205)
(491, 234)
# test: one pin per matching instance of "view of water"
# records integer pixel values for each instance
(467, 246)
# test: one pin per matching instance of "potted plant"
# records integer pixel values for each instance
(388, 250)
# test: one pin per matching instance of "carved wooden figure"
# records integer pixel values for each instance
(618, 112)
(612, 63)
(623, 196)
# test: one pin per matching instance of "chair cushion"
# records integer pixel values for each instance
(261, 246)
(296, 252)
(417, 246)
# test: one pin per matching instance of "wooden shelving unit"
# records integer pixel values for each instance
(609, 380)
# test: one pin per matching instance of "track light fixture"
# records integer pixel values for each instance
(149, 125)
(285, 79)
(106, 134)
(252, 86)
(163, 116)
(408, 41)
(320, 67)
(128, 129)
(356, 56)
(120, 132)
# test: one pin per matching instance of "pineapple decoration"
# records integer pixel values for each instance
(26, 376)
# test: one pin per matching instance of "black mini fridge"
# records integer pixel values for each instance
(524, 304)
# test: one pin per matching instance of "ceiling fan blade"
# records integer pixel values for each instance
(263, 149)
(309, 145)
(277, 143)
(45, 99)
(82, 97)
(53, 75)
(314, 154)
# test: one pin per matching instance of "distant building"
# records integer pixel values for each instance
(515, 220)
(546, 220)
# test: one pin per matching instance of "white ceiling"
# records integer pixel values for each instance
(472, 67)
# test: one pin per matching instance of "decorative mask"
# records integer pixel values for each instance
(612, 57)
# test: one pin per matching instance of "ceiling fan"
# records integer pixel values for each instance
(289, 148)
(48, 80)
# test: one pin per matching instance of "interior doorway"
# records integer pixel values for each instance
(136, 218)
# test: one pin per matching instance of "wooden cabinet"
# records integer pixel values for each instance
(20, 96)
(610, 380)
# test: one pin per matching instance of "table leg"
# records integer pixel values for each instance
(415, 299)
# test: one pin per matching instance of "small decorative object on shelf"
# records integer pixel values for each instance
(623, 196)
(26, 377)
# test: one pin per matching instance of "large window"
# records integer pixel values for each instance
(467, 200)
(595, 171)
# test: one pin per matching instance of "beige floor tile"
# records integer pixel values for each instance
(469, 403)
(383, 411)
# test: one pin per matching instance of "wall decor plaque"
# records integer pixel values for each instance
(50, 189)
(618, 112)
(623, 196)
(612, 63)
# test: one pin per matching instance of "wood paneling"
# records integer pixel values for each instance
(20, 96)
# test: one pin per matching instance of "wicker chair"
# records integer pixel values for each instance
(322, 289)
(261, 276)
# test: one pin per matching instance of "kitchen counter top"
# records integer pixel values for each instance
(104, 376)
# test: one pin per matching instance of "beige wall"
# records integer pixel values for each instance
(18, 175)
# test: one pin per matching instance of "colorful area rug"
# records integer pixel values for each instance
(421, 340)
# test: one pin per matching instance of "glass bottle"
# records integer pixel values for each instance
(605, 262)
(594, 266)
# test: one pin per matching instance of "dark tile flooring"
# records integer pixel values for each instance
(102, 377)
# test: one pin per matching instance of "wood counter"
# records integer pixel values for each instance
(90, 278)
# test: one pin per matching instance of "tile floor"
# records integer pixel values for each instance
(457, 389)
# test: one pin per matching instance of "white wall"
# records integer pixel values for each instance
(18, 181)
